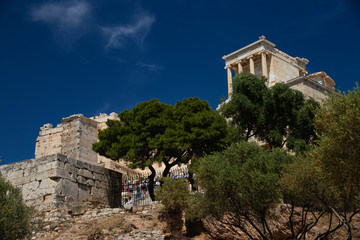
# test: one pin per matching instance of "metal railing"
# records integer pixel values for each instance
(135, 188)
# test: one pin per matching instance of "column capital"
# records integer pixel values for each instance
(250, 56)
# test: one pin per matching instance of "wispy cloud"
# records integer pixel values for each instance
(151, 67)
(136, 31)
(63, 15)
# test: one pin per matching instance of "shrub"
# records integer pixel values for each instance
(174, 194)
(14, 214)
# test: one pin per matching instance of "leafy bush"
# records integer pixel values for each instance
(14, 214)
(174, 194)
(241, 186)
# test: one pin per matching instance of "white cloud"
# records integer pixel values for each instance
(151, 67)
(136, 31)
(64, 15)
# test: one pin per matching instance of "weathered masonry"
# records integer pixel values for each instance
(58, 181)
(66, 172)
(263, 59)
(74, 137)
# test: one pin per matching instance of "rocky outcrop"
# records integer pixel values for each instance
(100, 223)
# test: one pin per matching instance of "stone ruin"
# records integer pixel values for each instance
(58, 181)
(66, 172)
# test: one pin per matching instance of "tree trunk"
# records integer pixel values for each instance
(166, 170)
(192, 181)
(348, 231)
(151, 183)
(168, 166)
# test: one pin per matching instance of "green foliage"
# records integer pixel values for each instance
(243, 180)
(326, 180)
(305, 188)
(245, 109)
(338, 124)
(156, 132)
(302, 183)
(14, 214)
(338, 154)
(174, 194)
(278, 115)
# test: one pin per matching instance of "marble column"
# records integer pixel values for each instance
(240, 68)
(264, 64)
(229, 76)
(252, 66)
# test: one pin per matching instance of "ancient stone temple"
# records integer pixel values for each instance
(263, 59)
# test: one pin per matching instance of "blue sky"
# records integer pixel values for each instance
(59, 58)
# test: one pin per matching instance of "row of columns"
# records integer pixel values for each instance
(252, 69)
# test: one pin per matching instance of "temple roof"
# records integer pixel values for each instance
(262, 39)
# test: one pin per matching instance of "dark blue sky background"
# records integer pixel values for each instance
(59, 58)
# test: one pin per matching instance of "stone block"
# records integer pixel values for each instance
(62, 158)
(73, 177)
(68, 188)
(99, 177)
(81, 180)
(59, 164)
(85, 173)
(59, 198)
(90, 182)
(44, 174)
(99, 170)
(79, 164)
(84, 193)
(47, 166)
(100, 184)
(30, 187)
(60, 173)
(68, 167)
(47, 183)
(78, 210)
(89, 166)
(14, 174)
(99, 194)
(20, 181)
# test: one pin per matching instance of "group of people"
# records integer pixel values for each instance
(133, 190)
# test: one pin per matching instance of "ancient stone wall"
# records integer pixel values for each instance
(57, 181)
(310, 88)
(74, 137)
(78, 135)
(282, 70)
(49, 140)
